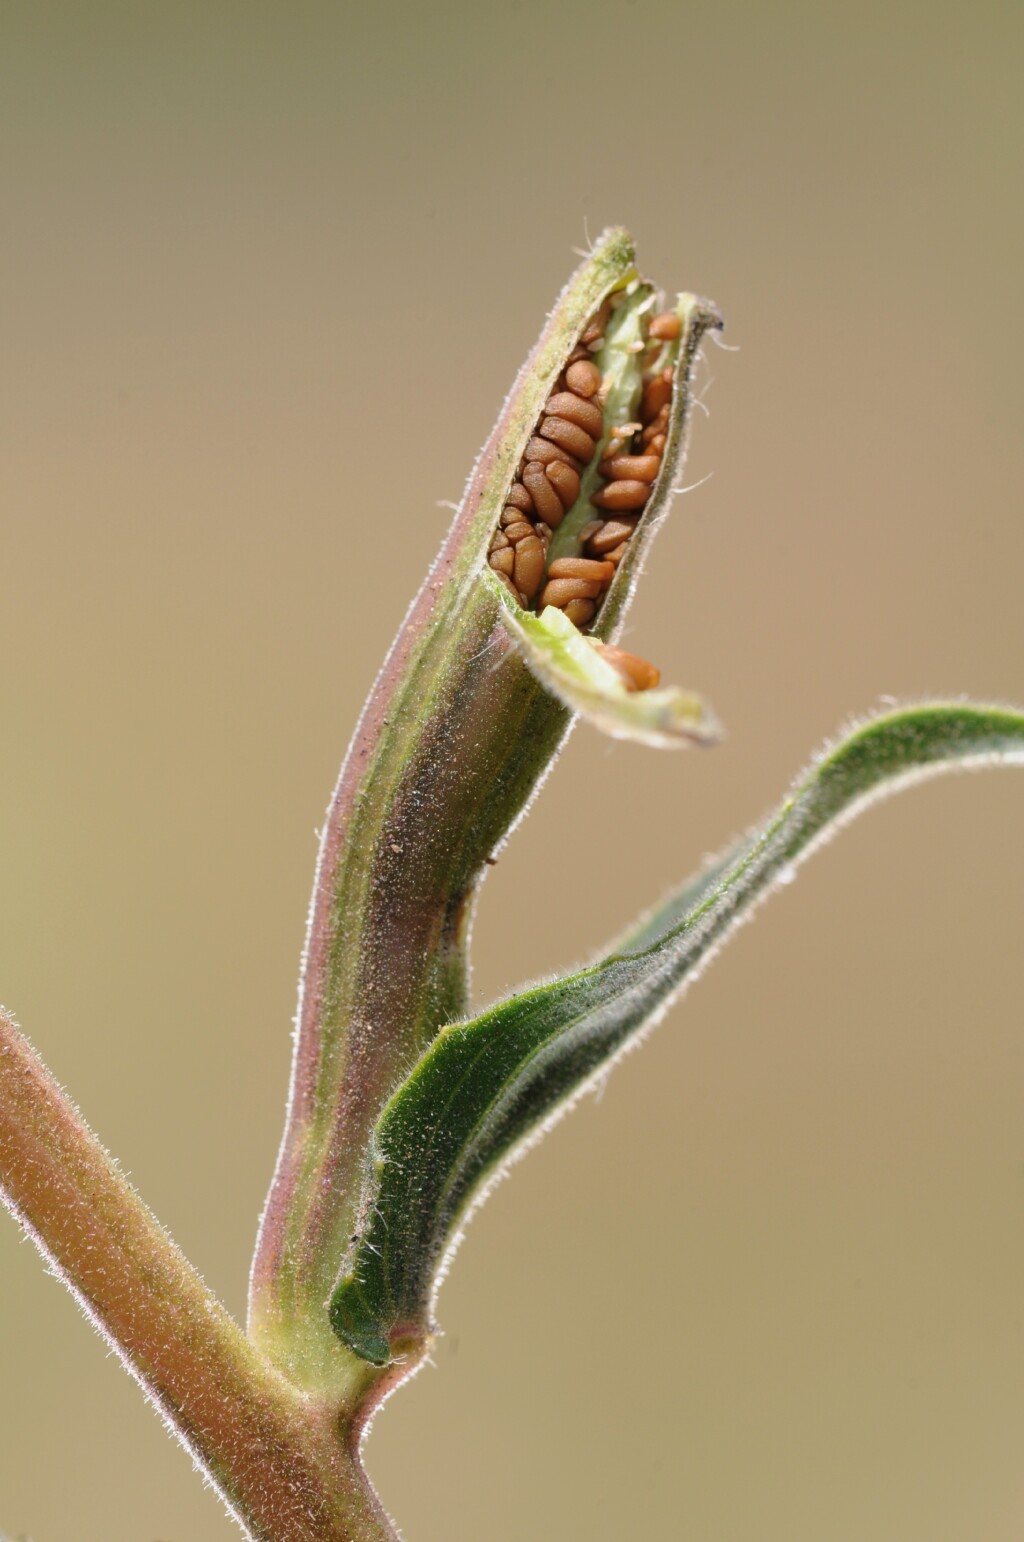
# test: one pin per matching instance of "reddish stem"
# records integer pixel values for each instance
(281, 1464)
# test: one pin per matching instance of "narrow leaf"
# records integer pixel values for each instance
(485, 1087)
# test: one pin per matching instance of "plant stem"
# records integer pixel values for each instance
(285, 1468)
(451, 744)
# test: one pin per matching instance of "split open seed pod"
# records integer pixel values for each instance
(603, 409)
(510, 636)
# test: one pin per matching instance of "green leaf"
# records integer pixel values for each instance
(488, 1085)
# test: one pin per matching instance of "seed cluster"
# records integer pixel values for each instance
(547, 485)
(632, 460)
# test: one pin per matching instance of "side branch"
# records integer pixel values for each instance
(276, 1459)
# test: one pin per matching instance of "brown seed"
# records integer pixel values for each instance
(544, 531)
(509, 585)
(657, 444)
(559, 591)
(588, 415)
(582, 567)
(519, 532)
(544, 451)
(569, 436)
(580, 612)
(583, 377)
(546, 500)
(519, 498)
(499, 540)
(503, 561)
(622, 495)
(636, 673)
(657, 394)
(529, 566)
(656, 426)
(666, 327)
(565, 481)
(616, 554)
(611, 534)
(589, 530)
(638, 468)
(510, 515)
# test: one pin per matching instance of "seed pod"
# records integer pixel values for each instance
(529, 566)
(583, 377)
(666, 327)
(565, 481)
(559, 591)
(581, 612)
(570, 437)
(545, 452)
(582, 567)
(622, 495)
(546, 501)
(549, 478)
(637, 468)
(575, 409)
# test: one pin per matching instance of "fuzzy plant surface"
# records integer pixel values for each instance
(402, 1107)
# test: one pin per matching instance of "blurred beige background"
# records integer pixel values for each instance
(267, 272)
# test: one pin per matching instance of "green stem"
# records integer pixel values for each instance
(280, 1461)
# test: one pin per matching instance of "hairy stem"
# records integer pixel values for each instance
(454, 737)
(286, 1471)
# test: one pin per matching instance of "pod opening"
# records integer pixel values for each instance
(590, 467)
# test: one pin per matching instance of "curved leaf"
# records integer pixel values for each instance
(485, 1087)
